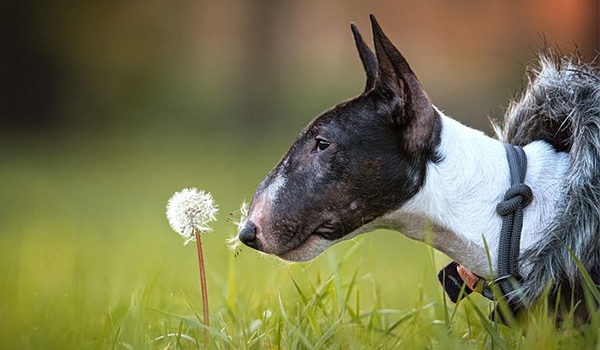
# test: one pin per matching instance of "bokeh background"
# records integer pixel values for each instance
(108, 107)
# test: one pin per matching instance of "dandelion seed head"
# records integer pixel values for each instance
(241, 221)
(242, 215)
(189, 210)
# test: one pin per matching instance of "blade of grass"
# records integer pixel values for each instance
(410, 314)
(231, 283)
(350, 286)
(294, 328)
(192, 321)
(328, 334)
(487, 325)
(299, 291)
(591, 285)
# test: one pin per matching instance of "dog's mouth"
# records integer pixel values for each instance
(315, 243)
(329, 230)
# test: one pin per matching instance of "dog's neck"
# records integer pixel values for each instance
(461, 192)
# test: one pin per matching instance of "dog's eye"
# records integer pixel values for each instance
(321, 145)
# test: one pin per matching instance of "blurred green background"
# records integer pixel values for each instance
(108, 107)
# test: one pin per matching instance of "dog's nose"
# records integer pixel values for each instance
(248, 235)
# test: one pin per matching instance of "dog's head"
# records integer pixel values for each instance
(352, 164)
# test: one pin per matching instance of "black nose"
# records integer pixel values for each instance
(248, 235)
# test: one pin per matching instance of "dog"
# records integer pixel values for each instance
(389, 158)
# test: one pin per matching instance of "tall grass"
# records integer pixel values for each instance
(88, 261)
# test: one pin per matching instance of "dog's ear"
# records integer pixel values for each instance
(367, 57)
(394, 75)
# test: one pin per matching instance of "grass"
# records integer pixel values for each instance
(90, 262)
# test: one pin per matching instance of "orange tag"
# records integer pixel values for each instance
(468, 277)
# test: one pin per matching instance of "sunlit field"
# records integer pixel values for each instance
(89, 261)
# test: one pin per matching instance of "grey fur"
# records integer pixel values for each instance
(561, 105)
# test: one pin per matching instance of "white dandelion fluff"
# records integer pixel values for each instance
(234, 241)
(190, 210)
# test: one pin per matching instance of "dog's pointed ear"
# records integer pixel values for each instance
(367, 57)
(394, 75)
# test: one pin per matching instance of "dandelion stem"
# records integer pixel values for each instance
(202, 286)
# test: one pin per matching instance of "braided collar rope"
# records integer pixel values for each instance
(517, 197)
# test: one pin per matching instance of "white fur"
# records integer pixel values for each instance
(461, 192)
(269, 197)
(272, 191)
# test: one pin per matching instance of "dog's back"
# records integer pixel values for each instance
(561, 105)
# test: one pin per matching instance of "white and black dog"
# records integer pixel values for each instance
(390, 159)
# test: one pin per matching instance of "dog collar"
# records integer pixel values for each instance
(457, 280)
(518, 196)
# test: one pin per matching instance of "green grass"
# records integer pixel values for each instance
(88, 261)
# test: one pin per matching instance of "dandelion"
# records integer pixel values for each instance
(189, 212)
